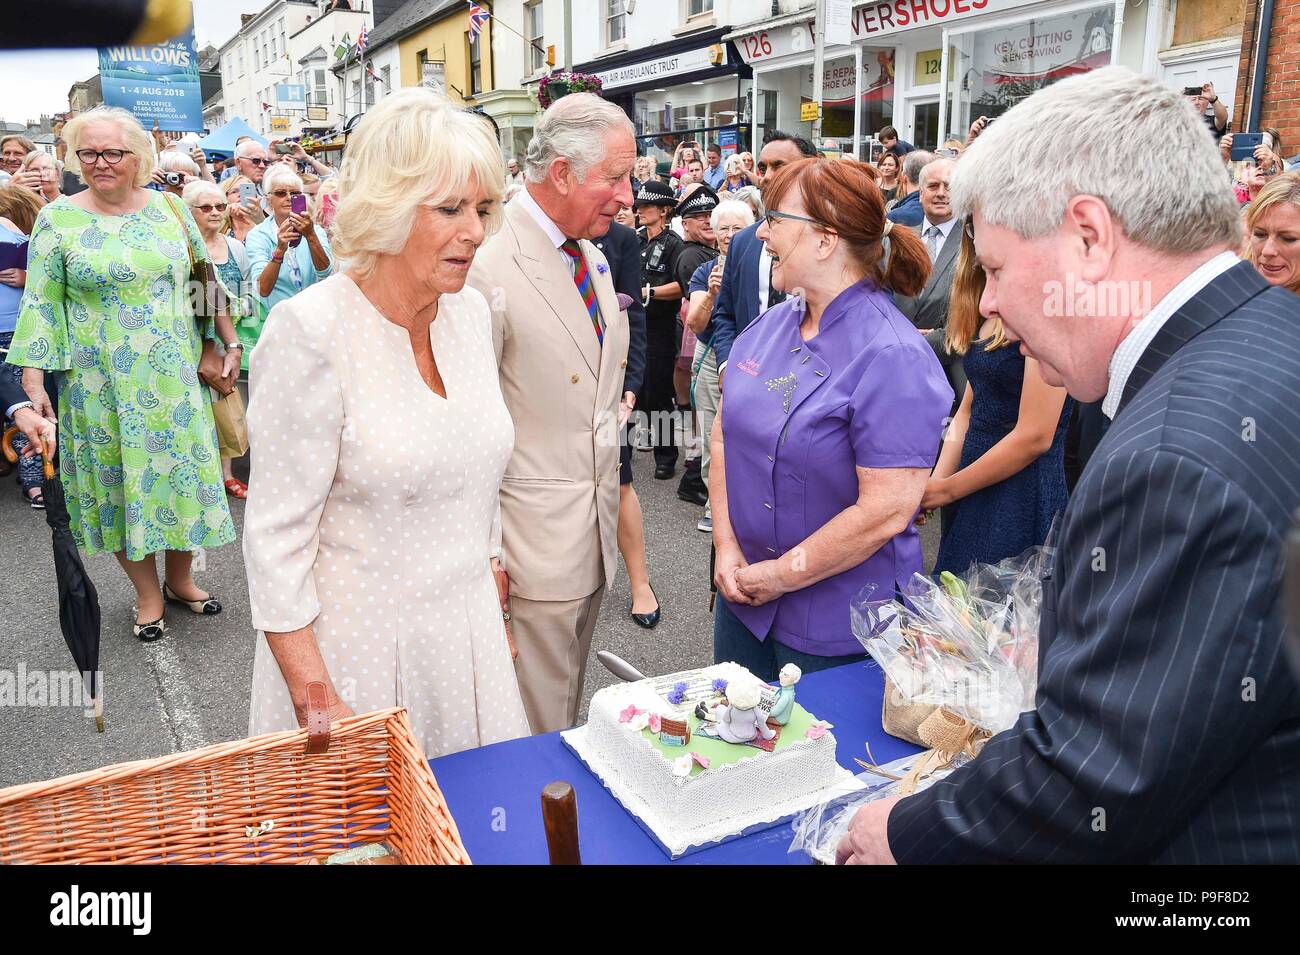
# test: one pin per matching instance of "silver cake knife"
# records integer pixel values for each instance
(619, 667)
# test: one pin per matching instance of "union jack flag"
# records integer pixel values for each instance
(478, 18)
(363, 40)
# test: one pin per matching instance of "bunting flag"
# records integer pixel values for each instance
(478, 18)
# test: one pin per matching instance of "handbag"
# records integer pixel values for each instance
(211, 361)
(232, 425)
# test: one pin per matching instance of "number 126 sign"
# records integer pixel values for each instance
(796, 38)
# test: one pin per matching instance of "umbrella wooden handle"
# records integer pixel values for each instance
(7, 448)
(560, 819)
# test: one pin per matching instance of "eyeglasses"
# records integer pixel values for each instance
(89, 157)
(260, 162)
(281, 193)
(772, 217)
(209, 206)
(968, 226)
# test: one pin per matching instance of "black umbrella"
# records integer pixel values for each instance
(78, 599)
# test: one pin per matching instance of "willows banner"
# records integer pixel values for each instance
(158, 83)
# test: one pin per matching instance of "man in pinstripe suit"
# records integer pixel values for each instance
(1167, 726)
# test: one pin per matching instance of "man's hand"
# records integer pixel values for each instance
(867, 841)
(1207, 90)
(1225, 147)
(625, 407)
(976, 128)
(41, 432)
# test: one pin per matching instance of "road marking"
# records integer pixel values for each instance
(180, 715)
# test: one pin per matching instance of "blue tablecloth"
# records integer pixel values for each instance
(495, 792)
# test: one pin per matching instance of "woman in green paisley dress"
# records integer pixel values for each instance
(106, 307)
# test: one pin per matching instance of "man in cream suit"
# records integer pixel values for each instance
(561, 345)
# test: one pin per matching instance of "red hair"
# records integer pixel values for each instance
(844, 197)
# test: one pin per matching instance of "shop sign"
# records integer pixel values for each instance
(663, 68)
(868, 23)
(808, 112)
(839, 82)
(279, 124)
(317, 114)
(727, 141)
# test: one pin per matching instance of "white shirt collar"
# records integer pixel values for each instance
(944, 227)
(525, 199)
(1141, 335)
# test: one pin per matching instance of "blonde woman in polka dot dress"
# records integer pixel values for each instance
(379, 437)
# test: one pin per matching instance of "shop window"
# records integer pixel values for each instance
(876, 97)
(615, 22)
(1199, 21)
(989, 71)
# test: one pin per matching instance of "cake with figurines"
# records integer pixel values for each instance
(705, 755)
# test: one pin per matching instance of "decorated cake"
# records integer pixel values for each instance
(705, 755)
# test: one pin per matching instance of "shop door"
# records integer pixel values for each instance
(925, 123)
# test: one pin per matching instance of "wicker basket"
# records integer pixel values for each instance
(259, 800)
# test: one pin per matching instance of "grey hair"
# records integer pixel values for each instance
(242, 153)
(173, 160)
(914, 162)
(277, 173)
(735, 207)
(1106, 134)
(573, 128)
(931, 165)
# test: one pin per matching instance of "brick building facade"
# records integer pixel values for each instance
(1280, 105)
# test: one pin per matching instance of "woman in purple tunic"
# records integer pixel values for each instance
(833, 408)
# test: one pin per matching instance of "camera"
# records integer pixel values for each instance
(1192, 91)
(174, 178)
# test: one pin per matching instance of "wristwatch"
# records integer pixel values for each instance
(1215, 100)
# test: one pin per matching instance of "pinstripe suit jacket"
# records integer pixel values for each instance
(1167, 726)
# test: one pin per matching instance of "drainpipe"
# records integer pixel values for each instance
(1261, 66)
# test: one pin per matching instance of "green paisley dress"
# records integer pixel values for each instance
(105, 307)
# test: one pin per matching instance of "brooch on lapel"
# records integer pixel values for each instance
(602, 268)
(787, 384)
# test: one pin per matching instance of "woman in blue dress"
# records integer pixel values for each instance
(1001, 470)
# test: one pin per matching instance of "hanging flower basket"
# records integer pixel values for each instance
(562, 84)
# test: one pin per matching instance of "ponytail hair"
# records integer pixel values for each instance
(844, 197)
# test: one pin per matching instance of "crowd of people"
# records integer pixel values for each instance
(451, 362)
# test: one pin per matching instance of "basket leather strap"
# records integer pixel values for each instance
(318, 719)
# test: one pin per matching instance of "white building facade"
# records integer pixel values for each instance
(275, 70)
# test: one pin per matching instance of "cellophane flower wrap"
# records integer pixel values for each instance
(967, 644)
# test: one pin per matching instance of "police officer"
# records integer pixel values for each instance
(662, 296)
(695, 211)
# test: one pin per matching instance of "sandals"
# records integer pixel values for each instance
(206, 607)
(37, 503)
(149, 632)
(237, 488)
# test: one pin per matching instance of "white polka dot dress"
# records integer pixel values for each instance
(372, 510)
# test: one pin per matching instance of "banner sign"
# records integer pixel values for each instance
(157, 83)
(291, 96)
(279, 124)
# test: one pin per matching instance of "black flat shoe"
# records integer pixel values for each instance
(207, 607)
(664, 472)
(693, 496)
(149, 632)
(648, 620)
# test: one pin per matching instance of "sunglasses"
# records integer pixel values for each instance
(89, 157)
(260, 162)
(281, 193)
(209, 206)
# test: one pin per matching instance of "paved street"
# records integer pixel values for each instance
(192, 687)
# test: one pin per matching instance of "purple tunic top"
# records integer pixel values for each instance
(798, 419)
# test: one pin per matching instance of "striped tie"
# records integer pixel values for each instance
(586, 288)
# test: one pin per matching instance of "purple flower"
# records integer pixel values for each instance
(602, 268)
(677, 694)
(720, 686)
